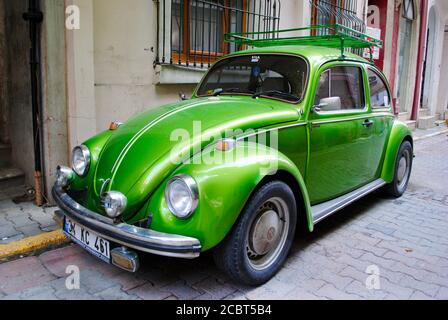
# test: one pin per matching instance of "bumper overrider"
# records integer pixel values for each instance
(126, 235)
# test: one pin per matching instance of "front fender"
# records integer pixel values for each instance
(399, 133)
(95, 146)
(225, 180)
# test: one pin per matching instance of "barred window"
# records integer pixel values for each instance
(191, 32)
(329, 12)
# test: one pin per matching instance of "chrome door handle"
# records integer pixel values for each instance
(367, 123)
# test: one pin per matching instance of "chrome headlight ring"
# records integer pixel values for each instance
(182, 196)
(81, 160)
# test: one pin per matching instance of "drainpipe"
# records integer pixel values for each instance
(34, 16)
(420, 58)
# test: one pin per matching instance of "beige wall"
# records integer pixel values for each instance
(124, 52)
(442, 102)
(110, 63)
(54, 95)
(437, 100)
(80, 76)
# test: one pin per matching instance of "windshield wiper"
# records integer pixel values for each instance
(276, 93)
(220, 91)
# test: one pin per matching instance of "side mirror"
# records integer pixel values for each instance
(182, 96)
(328, 104)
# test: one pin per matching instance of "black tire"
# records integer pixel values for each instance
(257, 227)
(401, 180)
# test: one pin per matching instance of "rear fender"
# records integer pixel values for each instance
(400, 132)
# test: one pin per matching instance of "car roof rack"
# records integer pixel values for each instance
(330, 36)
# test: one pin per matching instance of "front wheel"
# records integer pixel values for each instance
(402, 173)
(259, 243)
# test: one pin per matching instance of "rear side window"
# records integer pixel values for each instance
(379, 95)
(340, 88)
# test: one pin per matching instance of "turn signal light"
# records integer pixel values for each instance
(125, 259)
(114, 125)
(225, 145)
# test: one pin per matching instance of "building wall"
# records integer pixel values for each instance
(54, 95)
(390, 23)
(110, 63)
(437, 93)
(442, 102)
(124, 52)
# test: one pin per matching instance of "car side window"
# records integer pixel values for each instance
(379, 94)
(340, 88)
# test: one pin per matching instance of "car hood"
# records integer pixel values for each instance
(137, 157)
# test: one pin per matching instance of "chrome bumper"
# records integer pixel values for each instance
(140, 239)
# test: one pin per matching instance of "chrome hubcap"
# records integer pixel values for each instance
(265, 232)
(268, 233)
(403, 169)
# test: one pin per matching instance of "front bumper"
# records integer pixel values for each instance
(140, 239)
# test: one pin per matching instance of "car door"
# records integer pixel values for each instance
(340, 128)
(382, 116)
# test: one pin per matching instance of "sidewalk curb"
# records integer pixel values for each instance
(431, 135)
(31, 244)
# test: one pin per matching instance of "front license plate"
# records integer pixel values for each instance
(87, 239)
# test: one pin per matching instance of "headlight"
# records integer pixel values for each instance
(114, 203)
(182, 196)
(81, 160)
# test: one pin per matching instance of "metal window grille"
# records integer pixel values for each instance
(191, 32)
(343, 12)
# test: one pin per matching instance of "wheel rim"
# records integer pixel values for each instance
(403, 169)
(268, 233)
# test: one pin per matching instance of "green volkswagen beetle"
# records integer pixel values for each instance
(273, 137)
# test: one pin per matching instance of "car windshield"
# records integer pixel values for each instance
(272, 76)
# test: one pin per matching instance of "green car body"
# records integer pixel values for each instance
(321, 155)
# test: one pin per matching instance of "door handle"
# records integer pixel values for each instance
(367, 123)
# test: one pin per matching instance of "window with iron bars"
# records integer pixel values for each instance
(191, 32)
(343, 12)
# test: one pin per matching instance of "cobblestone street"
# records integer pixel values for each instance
(405, 239)
(18, 221)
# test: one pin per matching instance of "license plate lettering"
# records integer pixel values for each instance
(88, 239)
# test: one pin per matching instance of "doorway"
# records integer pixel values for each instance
(16, 130)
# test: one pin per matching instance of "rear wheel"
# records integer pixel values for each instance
(259, 243)
(403, 168)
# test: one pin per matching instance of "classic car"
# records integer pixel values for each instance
(275, 136)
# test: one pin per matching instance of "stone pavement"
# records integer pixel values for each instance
(420, 133)
(18, 221)
(402, 242)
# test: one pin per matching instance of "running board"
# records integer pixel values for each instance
(326, 209)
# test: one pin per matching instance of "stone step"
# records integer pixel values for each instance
(403, 116)
(11, 177)
(412, 124)
(5, 155)
(423, 112)
(426, 122)
(441, 123)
